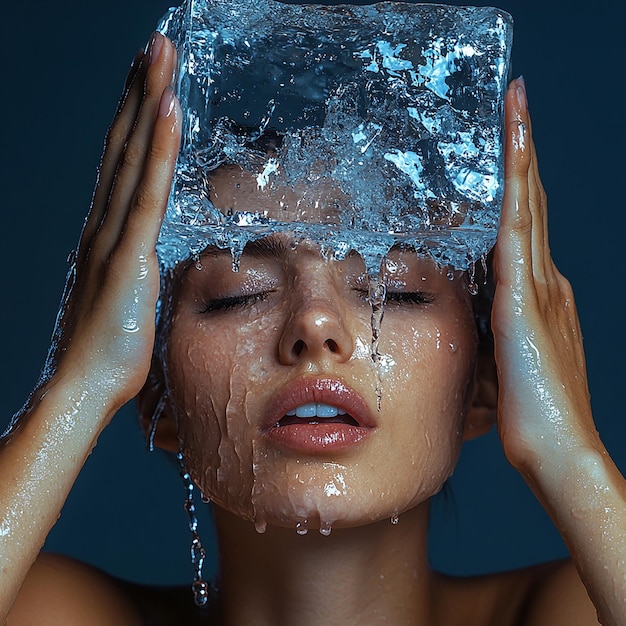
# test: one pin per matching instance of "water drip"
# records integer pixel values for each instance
(260, 525)
(200, 587)
(483, 264)
(325, 528)
(395, 518)
(376, 296)
(472, 286)
(236, 250)
(302, 528)
(154, 421)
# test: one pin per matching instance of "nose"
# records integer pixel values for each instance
(316, 329)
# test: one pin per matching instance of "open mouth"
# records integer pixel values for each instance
(315, 413)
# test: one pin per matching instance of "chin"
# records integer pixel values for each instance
(326, 496)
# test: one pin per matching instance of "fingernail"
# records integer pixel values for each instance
(520, 92)
(156, 43)
(166, 106)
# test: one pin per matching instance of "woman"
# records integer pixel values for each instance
(238, 437)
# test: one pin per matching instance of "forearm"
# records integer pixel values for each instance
(39, 462)
(585, 494)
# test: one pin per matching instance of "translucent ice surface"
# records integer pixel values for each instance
(359, 127)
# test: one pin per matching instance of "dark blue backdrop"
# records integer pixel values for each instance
(64, 65)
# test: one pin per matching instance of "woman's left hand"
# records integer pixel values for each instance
(543, 395)
(544, 413)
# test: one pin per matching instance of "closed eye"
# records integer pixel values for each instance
(234, 302)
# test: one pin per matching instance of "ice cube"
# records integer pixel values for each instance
(356, 126)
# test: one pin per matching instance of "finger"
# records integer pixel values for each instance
(133, 160)
(147, 207)
(512, 257)
(542, 260)
(117, 136)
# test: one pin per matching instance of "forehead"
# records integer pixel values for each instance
(233, 188)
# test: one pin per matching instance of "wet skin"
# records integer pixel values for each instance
(291, 328)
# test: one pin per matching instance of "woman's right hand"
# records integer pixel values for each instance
(105, 328)
(103, 340)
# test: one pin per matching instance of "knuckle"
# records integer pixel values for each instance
(116, 135)
(143, 199)
(133, 155)
(158, 152)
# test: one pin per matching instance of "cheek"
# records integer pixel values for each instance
(212, 374)
(427, 392)
(429, 363)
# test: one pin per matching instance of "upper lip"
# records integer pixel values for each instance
(321, 390)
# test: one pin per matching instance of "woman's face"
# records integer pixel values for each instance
(291, 333)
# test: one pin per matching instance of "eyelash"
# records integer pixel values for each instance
(410, 297)
(234, 302)
(405, 297)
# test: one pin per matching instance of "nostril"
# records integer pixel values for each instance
(298, 347)
(332, 345)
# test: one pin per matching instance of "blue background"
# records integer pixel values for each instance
(64, 65)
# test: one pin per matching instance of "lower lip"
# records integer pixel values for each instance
(317, 438)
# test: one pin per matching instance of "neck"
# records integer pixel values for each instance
(367, 575)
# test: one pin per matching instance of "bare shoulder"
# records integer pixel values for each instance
(60, 591)
(559, 598)
(550, 594)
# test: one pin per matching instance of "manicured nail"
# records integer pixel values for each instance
(166, 106)
(520, 92)
(156, 43)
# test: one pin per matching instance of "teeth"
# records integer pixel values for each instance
(315, 409)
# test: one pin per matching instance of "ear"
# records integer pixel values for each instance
(482, 413)
(149, 398)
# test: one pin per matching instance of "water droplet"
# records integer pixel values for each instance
(472, 287)
(130, 326)
(453, 347)
(450, 274)
(301, 528)
(260, 526)
(395, 518)
(204, 498)
(325, 528)
(200, 590)
(199, 265)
